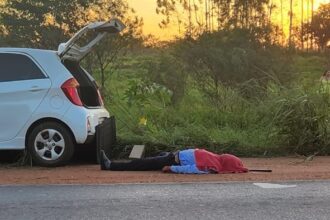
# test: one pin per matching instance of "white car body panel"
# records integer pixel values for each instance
(18, 101)
(26, 102)
(55, 105)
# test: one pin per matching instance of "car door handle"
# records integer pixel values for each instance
(35, 89)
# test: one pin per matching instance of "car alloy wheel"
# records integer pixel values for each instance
(49, 144)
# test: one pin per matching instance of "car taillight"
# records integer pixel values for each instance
(70, 89)
(100, 98)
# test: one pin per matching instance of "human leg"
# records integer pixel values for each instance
(145, 164)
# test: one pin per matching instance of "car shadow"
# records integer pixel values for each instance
(9, 157)
(84, 155)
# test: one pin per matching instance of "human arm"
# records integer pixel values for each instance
(186, 169)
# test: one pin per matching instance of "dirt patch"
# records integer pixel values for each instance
(283, 169)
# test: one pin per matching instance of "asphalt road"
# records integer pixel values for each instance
(308, 200)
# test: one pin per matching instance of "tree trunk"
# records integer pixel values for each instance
(290, 27)
(212, 15)
(206, 16)
(282, 23)
(209, 14)
(190, 23)
(307, 16)
(246, 9)
(270, 12)
(302, 25)
(199, 23)
(219, 15)
(312, 16)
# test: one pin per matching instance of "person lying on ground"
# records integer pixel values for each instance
(192, 161)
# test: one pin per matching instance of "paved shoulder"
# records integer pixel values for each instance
(307, 200)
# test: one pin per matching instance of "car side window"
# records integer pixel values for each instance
(17, 67)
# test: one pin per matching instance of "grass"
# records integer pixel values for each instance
(270, 124)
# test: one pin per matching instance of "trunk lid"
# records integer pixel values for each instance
(72, 51)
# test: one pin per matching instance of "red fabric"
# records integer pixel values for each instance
(225, 163)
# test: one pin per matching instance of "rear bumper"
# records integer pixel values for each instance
(83, 122)
(96, 117)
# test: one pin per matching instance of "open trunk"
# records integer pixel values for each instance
(71, 50)
(88, 89)
(71, 53)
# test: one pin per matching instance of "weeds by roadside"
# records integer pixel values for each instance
(280, 120)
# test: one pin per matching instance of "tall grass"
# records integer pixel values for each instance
(302, 120)
(246, 120)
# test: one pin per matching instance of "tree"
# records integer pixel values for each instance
(319, 27)
(105, 56)
(166, 70)
(45, 24)
(230, 57)
(235, 13)
(110, 49)
(41, 24)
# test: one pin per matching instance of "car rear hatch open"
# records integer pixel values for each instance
(71, 53)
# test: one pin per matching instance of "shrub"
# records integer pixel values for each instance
(302, 119)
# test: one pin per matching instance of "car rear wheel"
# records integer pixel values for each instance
(50, 144)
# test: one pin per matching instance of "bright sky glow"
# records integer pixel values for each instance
(147, 10)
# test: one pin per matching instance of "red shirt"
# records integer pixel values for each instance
(225, 163)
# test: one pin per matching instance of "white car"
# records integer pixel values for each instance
(48, 102)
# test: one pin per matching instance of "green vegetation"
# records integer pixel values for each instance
(249, 118)
(229, 85)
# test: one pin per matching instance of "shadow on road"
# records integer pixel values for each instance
(83, 155)
(9, 156)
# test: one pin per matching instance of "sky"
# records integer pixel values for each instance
(147, 10)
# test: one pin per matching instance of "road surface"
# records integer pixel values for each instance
(297, 200)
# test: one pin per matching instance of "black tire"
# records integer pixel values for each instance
(50, 144)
